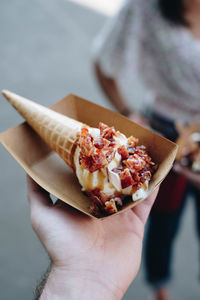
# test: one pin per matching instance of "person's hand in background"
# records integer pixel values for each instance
(91, 259)
(190, 175)
(139, 119)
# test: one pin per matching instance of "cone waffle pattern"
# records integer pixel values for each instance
(58, 131)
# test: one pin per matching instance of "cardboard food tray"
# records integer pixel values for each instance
(52, 173)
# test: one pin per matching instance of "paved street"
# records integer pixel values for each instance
(45, 54)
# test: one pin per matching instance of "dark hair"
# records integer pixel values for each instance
(173, 11)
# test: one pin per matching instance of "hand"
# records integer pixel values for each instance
(96, 259)
(139, 119)
(189, 174)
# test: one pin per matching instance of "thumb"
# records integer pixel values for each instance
(143, 209)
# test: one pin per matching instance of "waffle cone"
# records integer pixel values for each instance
(57, 130)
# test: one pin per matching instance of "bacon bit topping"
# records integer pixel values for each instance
(135, 167)
(96, 153)
(100, 143)
(110, 207)
(134, 162)
(106, 132)
(102, 127)
(145, 175)
(103, 204)
(132, 141)
(123, 152)
(136, 177)
(126, 178)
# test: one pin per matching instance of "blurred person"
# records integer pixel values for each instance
(90, 258)
(167, 35)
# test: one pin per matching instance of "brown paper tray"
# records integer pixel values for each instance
(48, 169)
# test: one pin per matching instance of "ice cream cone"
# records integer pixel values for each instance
(57, 130)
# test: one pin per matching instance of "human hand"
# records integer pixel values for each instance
(91, 258)
(139, 119)
(193, 177)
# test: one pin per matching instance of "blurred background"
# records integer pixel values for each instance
(45, 54)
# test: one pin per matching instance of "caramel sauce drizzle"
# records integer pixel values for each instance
(101, 178)
(88, 179)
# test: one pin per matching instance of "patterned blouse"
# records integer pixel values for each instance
(168, 56)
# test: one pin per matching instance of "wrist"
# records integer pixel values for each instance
(65, 284)
(126, 111)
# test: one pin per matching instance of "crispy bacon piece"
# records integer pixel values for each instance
(136, 177)
(134, 162)
(96, 153)
(99, 194)
(101, 143)
(84, 132)
(93, 163)
(110, 207)
(85, 142)
(106, 132)
(141, 152)
(102, 204)
(126, 178)
(102, 127)
(109, 134)
(132, 141)
(145, 175)
(123, 152)
(137, 167)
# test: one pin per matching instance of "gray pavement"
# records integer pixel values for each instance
(45, 53)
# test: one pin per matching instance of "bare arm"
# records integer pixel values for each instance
(112, 91)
